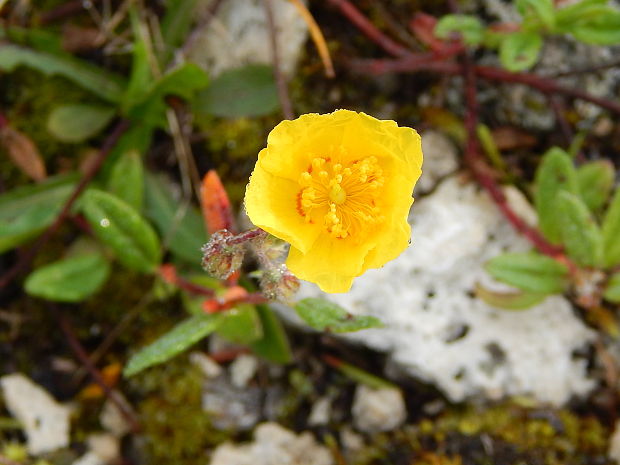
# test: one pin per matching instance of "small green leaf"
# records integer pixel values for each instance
(324, 315)
(78, 122)
(246, 91)
(182, 229)
(141, 75)
(119, 226)
(611, 232)
(176, 23)
(595, 180)
(273, 346)
(178, 339)
(241, 324)
(530, 272)
(580, 233)
(543, 10)
(69, 280)
(28, 210)
(362, 376)
(127, 179)
(519, 51)
(599, 27)
(469, 27)
(519, 300)
(97, 80)
(555, 173)
(568, 16)
(183, 81)
(612, 289)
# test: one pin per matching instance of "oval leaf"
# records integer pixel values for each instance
(27, 211)
(69, 280)
(274, 345)
(611, 232)
(543, 10)
(612, 289)
(241, 324)
(172, 343)
(595, 180)
(519, 51)
(120, 227)
(23, 152)
(127, 179)
(580, 234)
(78, 122)
(327, 316)
(469, 27)
(247, 91)
(530, 272)
(520, 300)
(555, 173)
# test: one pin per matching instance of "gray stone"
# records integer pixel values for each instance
(378, 410)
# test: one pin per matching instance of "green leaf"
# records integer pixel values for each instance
(183, 81)
(69, 280)
(612, 288)
(182, 230)
(274, 345)
(604, 29)
(141, 76)
(611, 232)
(519, 300)
(543, 10)
(119, 226)
(555, 173)
(324, 315)
(180, 338)
(78, 122)
(568, 16)
(246, 91)
(529, 271)
(126, 179)
(360, 376)
(27, 211)
(176, 24)
(519, 51)
(241, 324)
(580, 233)
(469, 27)
(100, 82)
(595, 180)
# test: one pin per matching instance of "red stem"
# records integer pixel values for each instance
(369, 29)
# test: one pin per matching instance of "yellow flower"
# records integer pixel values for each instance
(338, 188)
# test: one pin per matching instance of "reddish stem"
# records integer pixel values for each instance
(369, 29)
(84, 358)
(246, 236)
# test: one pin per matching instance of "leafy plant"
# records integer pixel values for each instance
(589, 21)
(575, 212)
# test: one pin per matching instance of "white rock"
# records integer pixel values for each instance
(436, 331)
(440, 159)
(105, 445)
(273, 445)
(378, 410)
(242, 370)
(319, 415)
(112, 419)
(239, 35)
(89, 458)
(45, 421)
(209, 367)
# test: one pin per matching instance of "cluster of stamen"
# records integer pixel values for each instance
(343, 196)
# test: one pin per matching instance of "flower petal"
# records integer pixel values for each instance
(332, 263)
(270, 202)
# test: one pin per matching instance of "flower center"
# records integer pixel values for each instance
(341, 197)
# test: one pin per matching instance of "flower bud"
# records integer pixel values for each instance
(221, 258)
(278, 283)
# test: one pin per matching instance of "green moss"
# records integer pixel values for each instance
(176, 430)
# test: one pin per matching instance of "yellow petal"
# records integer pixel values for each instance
(270, 202)
(332, 263)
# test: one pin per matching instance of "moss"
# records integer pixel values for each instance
(176, 430)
